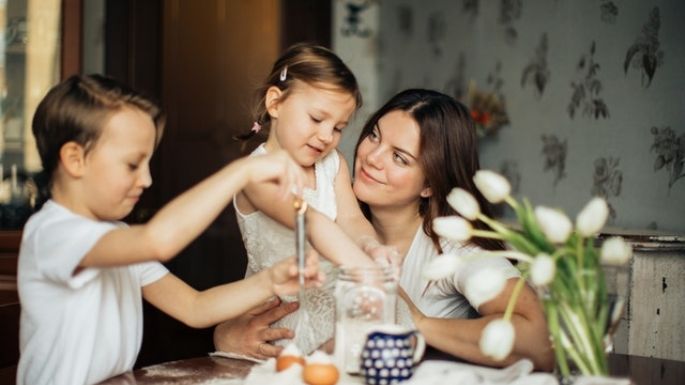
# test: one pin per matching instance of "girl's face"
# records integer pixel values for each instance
(309, 122)
(117, 169)
(387, 170)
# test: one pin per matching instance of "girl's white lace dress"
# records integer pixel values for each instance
(268, 242)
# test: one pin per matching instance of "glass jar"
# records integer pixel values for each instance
(365, 297)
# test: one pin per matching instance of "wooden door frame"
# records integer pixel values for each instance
(72, 37)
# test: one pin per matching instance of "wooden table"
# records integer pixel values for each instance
(641, 370)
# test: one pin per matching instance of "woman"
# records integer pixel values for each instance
(410, 154)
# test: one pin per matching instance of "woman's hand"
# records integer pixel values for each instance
(251, 334)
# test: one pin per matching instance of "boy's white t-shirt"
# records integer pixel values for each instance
(76, 328)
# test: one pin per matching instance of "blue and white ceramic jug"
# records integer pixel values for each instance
(389, 354)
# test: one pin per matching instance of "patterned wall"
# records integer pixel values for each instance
(594, 92)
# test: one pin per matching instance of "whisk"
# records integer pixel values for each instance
(300, 207)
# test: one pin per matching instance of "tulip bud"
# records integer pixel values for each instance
(497, 339)
(615, 251)
(492, 185)
(441, 267)
(465, 204)
(542, 270)
(592, 218)
(483, 286)
(554, 224)
(452, 227)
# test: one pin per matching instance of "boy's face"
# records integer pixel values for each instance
(309, 122)
(117, 169)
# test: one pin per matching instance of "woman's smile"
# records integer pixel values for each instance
(367, 177)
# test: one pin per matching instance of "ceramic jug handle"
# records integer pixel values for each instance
(420, 347)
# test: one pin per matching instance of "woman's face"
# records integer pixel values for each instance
(387, 170)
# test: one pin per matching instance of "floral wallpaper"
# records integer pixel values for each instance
(594, 93)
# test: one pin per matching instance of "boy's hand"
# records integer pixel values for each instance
(284, 276)
(280, 168)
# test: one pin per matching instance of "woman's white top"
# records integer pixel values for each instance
(445, 298)
(268, 242)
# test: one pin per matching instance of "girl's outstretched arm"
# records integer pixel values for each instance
(209, 307)
(187, 216)
(354, 223)
(327, 237)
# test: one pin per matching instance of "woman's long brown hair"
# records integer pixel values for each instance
(448, 154)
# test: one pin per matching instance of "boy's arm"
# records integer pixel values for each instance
(211, 306)
(188, 215)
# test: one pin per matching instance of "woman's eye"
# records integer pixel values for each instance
(315, 120)
(132, 166)
(399, 159)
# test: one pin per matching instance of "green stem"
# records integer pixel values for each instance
(511, 254)
(575, 356)
(580, 278)
(514, 297)
(512, 202)
(498, 227)
(580, 331)
(486, 234)
(559, 352)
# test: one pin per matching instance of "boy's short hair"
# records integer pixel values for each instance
(77, 110)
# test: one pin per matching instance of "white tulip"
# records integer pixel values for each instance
(483, 286)
(593, 217)
(554, 224)
(465, 204)
(452, 227)
(441, 267)
(497, 339)
(542, 270)
(492, 185)
(615, 251)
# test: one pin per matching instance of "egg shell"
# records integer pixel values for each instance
(284, 362)
(320, 374)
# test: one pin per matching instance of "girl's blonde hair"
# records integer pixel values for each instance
(312, 64)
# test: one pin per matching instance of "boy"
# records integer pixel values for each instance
(82, 272)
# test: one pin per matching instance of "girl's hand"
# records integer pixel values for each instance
(280, 168)
(381, 254)
(284, 275)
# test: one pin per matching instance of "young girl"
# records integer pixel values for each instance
(82, 272)
(306, 102)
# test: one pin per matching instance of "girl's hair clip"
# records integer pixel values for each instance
(256, 127)
(284, 74)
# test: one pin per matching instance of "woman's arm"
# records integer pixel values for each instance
(209, 307)
(184, 218)
(460, 337)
